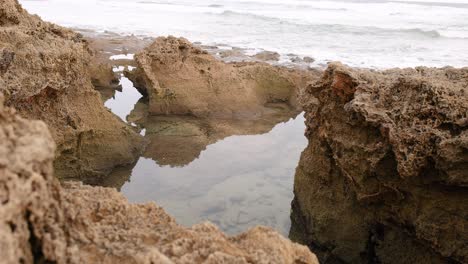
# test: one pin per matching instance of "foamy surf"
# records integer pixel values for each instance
(377, 34)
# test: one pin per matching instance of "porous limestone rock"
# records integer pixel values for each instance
(31, 221)
(182, 79)
(107, 229)
(41, 222)
(385, 174)
(45, 74)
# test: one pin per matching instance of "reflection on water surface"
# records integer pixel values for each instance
(236, 174)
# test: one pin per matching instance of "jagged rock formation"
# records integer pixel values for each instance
(385, 174)
(105, 72)
(182, 79)
(102, 75)
(42, 223)
(45, 74)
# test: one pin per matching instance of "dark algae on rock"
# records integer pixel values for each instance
(384, 177)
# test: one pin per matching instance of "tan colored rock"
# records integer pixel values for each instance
(40, 222)
(235, 52)
(31, 221)
(119, 231)
(182, 79)
(267, 56)
(385, 174)
(44, 74)
(102, 75)
(103, 46)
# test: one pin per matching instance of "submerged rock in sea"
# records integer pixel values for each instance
(182, 79)
(267, 56)
(385, 174)
(41, 222)
(45, 74)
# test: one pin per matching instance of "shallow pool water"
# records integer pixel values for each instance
(236, 174)
(123, 102)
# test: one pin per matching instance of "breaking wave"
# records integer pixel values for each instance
(335, 28)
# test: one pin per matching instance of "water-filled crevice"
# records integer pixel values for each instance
(236, 173)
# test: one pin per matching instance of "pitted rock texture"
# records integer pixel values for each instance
(118, 231)
(45, 74)
(31, 222)
(385, 173)
(182, 79)
(42, 223)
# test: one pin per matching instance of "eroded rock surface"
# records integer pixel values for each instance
(31, 223)
(105, 72)
(45, 74)
(119, 231)
(42, 223)
(182, 79)
(385, 174)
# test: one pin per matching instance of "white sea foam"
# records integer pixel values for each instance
(371, 33)
(118, 69)
(122, 57)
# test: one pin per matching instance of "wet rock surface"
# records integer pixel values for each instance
(182, 79)
(41, 222)
(385, 173)
(46, 73)
(267, 56)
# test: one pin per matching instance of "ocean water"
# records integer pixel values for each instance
(368, 33)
